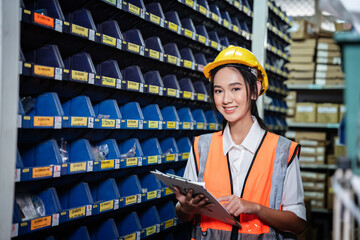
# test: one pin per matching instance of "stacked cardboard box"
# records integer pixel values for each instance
(302, 66)
(327, 113)
(291, 104)
(305, 112)
(314, 188)
(328, 60)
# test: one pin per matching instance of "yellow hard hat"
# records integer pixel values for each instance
(239, 55)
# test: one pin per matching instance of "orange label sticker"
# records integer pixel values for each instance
(40, 223)
(44, 71)
(42, 172)
(43, 121)
(43, 20)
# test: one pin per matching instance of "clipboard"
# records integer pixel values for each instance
(218, 211)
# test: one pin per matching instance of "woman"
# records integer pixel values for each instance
(253, 172)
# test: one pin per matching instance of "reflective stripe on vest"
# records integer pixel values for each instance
(262, 185)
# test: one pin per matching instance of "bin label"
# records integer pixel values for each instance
(40, 223)
(107, 81)
(214, 44)
(153, 89)
(134, 9)
(107, 164)
(150, 230)
(113, 2)
(79, 30)
(246, 10)
(133, 85)
(212, 126)
(188, 64)
(132, 123)
(235, 28)
(131, 161)
(78, 167)
(185, 156)
(188, 33)
(152, 159)
(189, 3)
(173, 26)
(168, 191)
(43, 121)
(44, 71)
(172, 59)
(106, 206)
(130, 237)
(107, 122)
(154, 19)
(131, 200)
(153, 124)
(170, 157)
(215, 17)
(151, 195)
(76, 212)
(171, 124)
(109, 40)
(237, 4)
(154, 54)
(201, 96)
(42, 172)
(186, 125)
(187, 94)
(78, 75)
(202, 39)
(43, 20)
(200, 125)
(169, 223)
(79, 121)
(203, 10)
(226, 23)
(133, 47)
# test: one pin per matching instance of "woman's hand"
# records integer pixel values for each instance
(236, 205)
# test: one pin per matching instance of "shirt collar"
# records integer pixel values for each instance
(250, 142)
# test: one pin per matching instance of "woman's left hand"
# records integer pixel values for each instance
(236, 205)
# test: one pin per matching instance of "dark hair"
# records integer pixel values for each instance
(251, 86)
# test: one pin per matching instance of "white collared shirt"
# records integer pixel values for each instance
(240, 157)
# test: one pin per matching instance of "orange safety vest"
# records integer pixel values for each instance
(263, 183)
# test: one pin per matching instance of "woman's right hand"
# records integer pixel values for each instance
(189, 204)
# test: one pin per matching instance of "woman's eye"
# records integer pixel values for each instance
(217, 91)
(236, 89)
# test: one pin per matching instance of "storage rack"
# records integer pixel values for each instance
(95, 82)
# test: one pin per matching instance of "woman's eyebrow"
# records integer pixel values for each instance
(235, 83)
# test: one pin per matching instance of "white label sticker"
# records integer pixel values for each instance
(58, 73)
(91, 78)
(91, 35)
(17, 175)
(58, 122)
(58, 25)
(55, 219)
(305, 108)
(117, 163)
(90, 166)
(88, 210)
(90, 122)
(327, 109)
(15, 230)
(57, 171)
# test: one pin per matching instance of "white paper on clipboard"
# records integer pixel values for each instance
(218, 211)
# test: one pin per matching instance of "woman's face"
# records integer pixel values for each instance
(230, 95)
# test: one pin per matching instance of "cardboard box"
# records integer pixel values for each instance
(343, 27)
(302, 51)
(306, 67)
(290, 111)
(328, 46)
(306, 43)
(303, 29)
(327, 113)
(327, 54)
(330, 194)
(316, 136)
(339, 149)
(329, 74)
(329, 60)
(325, 67)
(329, 81)
(301, 75)
(310, 142)
(331, 159)
(299, 81)
(301, 58)
(312, 176)
(313, 186)
(291, 96)
(305, 112)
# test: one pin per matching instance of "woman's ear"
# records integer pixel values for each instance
(258, 86)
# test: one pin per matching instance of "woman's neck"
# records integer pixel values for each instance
(239, 129)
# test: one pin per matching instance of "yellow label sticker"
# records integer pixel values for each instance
(171, 124)
(188, 33)
(212, 126)
(76, 212)
(150, 230)
(154, 54)
(131, 162)
(170, 157)
(153, 124)
(23, 224)
(152, 159)
(171, 92)
(214, 44)
(215, 17)
(173, 26)
(44, 71)
(132, 123)
(26, 170)
(168, 191)
(187, 94)
(189, 3)
(201, 96)
(106, 205)
(202, 39)
(79, 30)
(133, 47)
(42, 172)
(108, 81)
(200, 125)
(235, 28)
(40, 223)
(203, 10)
(27, 65)
(78, 75)
(107, 122)
(130, 237)
(151, 195)
(43, 121)
(154, 89)
(188, 64)
(185, 156)
(133, 85)
(78, 121)
(134, 9)
(78, 167)
(169, 223)
(109, 40)
(226, 23)
(131, 200)
(246, 10)
(154, 19)
(237, 4)
(186, 125)
(107, 164)
(172, 59)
